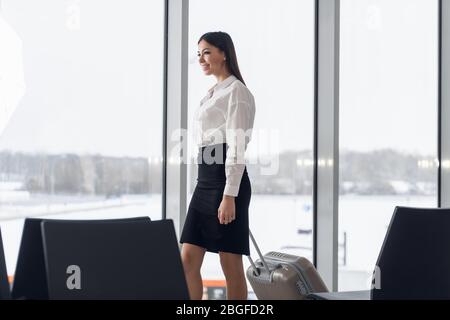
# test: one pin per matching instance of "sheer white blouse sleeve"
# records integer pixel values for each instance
(239, 127)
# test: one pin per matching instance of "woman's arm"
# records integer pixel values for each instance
(239, 126)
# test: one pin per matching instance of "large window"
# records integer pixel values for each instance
(274, 41)
(82, 85)
(388, 123)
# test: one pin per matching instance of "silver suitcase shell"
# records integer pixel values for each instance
(280, 276)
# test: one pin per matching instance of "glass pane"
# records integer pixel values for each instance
(82, 81)
(274, 41)
(388, 124)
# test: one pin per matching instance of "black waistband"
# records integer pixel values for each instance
(214, 146)
(211, 164)
(212, 154)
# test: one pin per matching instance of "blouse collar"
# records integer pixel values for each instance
(223, 84)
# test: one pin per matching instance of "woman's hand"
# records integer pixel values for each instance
(227, 210)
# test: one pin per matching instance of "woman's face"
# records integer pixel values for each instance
(211, 59)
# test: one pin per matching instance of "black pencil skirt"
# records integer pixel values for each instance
(202, 226)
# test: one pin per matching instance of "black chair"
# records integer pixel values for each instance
(5, 291)
(30, 278)
(414, 260)
(132, 260)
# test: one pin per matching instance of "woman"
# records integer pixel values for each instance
(217, 218)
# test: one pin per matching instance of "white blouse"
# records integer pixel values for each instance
(226, 115)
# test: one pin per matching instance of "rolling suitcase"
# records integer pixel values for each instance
(280, 276)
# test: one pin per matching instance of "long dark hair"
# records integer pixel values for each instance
(223, 41)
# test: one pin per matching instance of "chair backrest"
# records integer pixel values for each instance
(132, 260)
(5, 291)
(30, 277)
(414, 261)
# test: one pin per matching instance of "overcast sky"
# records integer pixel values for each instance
(93, 73)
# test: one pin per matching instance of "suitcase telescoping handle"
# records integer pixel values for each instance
(255, 268)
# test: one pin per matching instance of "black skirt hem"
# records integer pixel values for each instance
(215, 250)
